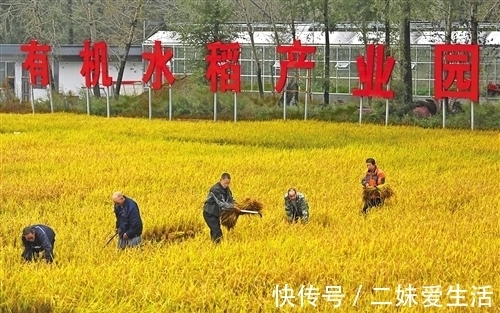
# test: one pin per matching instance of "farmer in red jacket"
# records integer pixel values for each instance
(373, 178)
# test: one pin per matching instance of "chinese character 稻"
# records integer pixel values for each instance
(223, 66)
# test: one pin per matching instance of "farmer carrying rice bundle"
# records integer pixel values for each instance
(375, 189)
(219, 197)
(221, 208)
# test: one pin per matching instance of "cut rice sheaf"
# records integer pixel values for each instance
(228, 219)
(162, 233)
(384, 192)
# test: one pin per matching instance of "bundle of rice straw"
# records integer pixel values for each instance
(229, 218)
(157, 234)
(383, 192)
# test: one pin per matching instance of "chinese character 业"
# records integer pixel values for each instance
(296, 58)
(37, 62)
(158, 65)
(374, 73)
(223, 64)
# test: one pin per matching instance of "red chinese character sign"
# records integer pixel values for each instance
(157, 64)
(374, 73)
(95, 64)
(224, 70)
(37, 62)
(456, 71)
(296, 58)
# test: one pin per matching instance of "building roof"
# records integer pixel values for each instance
(307, 36)
(69, 50)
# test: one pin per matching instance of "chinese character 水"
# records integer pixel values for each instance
(158, 64)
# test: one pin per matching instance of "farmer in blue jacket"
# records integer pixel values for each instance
(128, 221)
(38, 238)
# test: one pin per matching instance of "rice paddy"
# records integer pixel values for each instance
(436, 241)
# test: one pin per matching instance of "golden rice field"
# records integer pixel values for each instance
(441, 230)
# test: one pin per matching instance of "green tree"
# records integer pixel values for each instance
(210, 21)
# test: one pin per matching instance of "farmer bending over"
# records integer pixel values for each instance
(38, 238)
(296, 206)
(128, 221)
(373, 178)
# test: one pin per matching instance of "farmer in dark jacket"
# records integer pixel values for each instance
(38, 238)
(219, 198)
(296, 206)
(128, 221)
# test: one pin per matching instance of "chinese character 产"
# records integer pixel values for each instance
(296, 58)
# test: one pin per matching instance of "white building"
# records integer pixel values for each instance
(308, 35)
